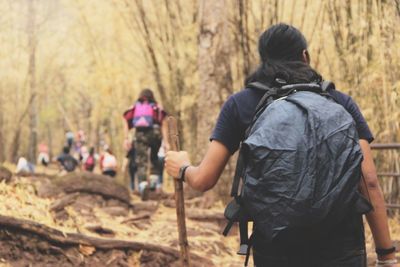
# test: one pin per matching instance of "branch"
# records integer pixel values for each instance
(55, 236)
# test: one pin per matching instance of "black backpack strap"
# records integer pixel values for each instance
(291, 88)
(259, 86)
(250, 245)
(327, 85)
(244, 238)
(238, 174)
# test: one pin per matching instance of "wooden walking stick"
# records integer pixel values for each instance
(179, 200)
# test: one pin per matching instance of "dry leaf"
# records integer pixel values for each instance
(86, 250)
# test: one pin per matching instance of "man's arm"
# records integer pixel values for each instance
(377, 218)
(204, 176)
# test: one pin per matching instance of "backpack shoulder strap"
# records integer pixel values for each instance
(259, 86)
(327, 85)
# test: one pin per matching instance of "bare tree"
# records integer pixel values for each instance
(214, 67)
(33, 117)
(242, 24)
(2, 134)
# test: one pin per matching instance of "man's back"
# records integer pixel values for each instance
(68, 162)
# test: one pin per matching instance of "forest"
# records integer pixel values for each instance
(78, 65)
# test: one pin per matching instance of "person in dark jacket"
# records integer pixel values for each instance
(66, 161)
(283, 53)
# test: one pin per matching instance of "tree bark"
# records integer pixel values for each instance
(2, 135)
(214, 71)
(244, 36)
(32, 149)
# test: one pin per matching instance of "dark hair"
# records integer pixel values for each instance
(281, 52)
(66, 150)
(147, 95)
(91, 151)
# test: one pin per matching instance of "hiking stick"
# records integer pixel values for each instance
(179, 200)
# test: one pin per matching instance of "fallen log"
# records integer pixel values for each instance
(74, 239)
(88, 182)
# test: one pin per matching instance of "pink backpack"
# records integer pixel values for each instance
(144, 114)
(89, 163)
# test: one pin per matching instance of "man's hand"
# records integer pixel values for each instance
(174, 161)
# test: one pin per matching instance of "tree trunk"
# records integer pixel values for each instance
(32, 148)
(214, 68)
(14, 148)
(2, 135)
(244, 36)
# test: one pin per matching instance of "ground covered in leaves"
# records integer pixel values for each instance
(90, 220)
(109, 212)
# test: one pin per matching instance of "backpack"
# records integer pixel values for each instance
(69, 163)
(144, 115)
(89, 163)
(299, 164)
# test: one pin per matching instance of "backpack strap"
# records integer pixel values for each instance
(327, 85)
(259, 86)
(249, 246)
(244, 239)
(291, 88)
(238, 174)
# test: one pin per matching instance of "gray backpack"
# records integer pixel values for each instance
(299, 164)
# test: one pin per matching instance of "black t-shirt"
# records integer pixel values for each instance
(238, 110)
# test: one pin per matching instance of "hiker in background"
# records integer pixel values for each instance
(81, 137)
(69, 136)
(132, 166)
(283, 52)
(67, 162)
(43, 157)
(108, 163)
(83, 153)
(24, 166)
(77, 150)
(146, 116)
(89, 160)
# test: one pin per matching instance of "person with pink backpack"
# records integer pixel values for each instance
(146, 116)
